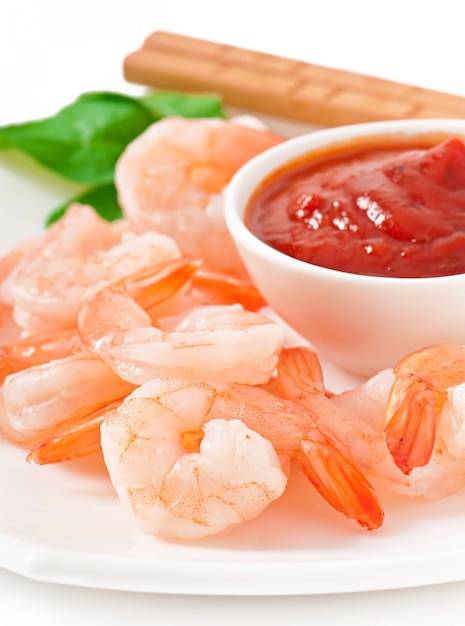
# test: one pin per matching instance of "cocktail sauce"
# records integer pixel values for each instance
(383, 210)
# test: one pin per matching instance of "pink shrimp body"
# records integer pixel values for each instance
(39, 398)
(183, 478)
(37, 349)
(51, 398)
(170, 179)
(221, 341)
(152, 444)
(80, 254)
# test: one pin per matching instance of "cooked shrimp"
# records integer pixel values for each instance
(40, 401)
(171, 177)
(80, 232)
(183, 478)
(48, 286)
(37, 349)
(224, 342)
(8, 265)
(10, 261)
(155, 444)
(451, 427)
(210, 286)
(39, 398)
(300, 379)
(418, 395)
(72, 440)
(357, 417)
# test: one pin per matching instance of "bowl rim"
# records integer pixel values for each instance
(246, 180)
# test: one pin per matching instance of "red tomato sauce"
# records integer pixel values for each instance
(374, 210)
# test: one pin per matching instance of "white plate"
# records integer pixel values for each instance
(64, 523)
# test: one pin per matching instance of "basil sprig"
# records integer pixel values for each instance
(84, 140)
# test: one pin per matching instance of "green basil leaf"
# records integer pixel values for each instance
(104, 200)
(83, 141)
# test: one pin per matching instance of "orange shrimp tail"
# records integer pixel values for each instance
(411, 431)
(74, 441)
(300, 372)
(215, 287)
(338, 480)
(66, 447)
(155, 285)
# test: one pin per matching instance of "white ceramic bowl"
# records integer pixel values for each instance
(361, 323)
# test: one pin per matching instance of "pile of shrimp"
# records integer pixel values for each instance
(145, 341)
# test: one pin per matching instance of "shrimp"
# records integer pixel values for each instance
(73, 439)
(357, 417)
(300, 380)
(37, 349)
(40, 400)
(175, 462)
(8, 265)
(170, 179)
(10, 260)
(210, 286)
(48, 285)
(58, 445)
(451, 427)
(417, 397)
(41, 397)
(79, 232)
(221, 341)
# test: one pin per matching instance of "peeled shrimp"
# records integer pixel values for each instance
(48, 397)
(80, 254)
(451, 427)
(224, 342)
(183, 457)
(357, 417)
(418, 395)
(171, 177)
(300, 379)
(78, 233)
(59, 445)
(41, 397)
(9, 263)
(210, 286)
(72, 439)
(36, 349)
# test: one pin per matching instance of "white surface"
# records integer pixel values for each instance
(51, 52)
(64, 524)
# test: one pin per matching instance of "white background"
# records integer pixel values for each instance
(50, 52)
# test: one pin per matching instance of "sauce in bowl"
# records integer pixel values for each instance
(381, 209)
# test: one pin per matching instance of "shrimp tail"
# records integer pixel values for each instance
(322, 457)
(213, 286)
(411, 429)
(338, 480)
(300, 373)
(78, 439)
(152, 286)
(146, 289)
